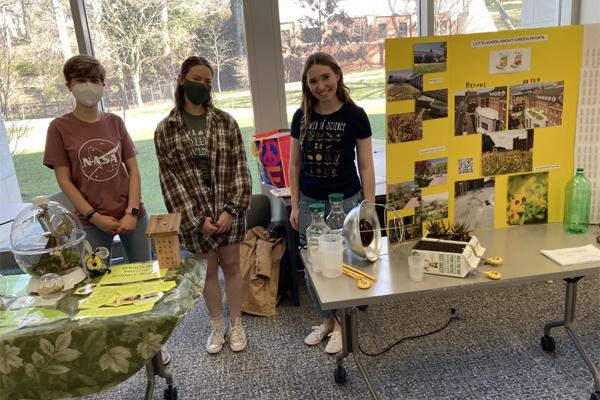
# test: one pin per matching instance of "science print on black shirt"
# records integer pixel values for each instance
(328, 151)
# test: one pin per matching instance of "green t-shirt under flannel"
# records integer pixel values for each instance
(196, 125)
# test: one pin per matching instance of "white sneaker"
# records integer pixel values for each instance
(334, 345)
(215, 341)
(237, 337)
(317, 335)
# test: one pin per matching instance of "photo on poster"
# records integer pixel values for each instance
(404, 127)
(432, 104)
(434, 206)
(403, 85)
(465, 165)
(431, 172)
(403, 195)
(509, 61)
(536, 105)
(527, 199)
(474, 202)
(507, 152)
(413, 229)
(430, 57)
(480, 111)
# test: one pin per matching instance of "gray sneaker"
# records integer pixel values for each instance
(335, 343)
(215, 341)
(316, 336)
(237, 337)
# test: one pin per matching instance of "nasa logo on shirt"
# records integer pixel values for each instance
(100, 159)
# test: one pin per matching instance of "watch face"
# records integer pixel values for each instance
(135, 211)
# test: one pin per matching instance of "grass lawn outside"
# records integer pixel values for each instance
(367, 90)
(512, 9)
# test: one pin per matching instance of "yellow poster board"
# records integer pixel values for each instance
(481, 127)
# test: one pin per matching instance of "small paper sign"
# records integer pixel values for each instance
(128, 273)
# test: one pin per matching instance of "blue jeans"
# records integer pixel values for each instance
(304, 220)
(135, 244)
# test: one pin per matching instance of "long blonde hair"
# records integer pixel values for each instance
(308, 100)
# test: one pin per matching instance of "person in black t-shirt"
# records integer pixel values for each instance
(328, 133)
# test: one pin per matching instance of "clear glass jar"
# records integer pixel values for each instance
(336, 217)
(47, 238)
(316, 228)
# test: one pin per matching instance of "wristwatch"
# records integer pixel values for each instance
(231, 211)
(133, 211)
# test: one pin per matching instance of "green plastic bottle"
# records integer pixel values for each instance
(578, 196)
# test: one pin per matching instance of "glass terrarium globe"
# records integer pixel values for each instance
(46, 238)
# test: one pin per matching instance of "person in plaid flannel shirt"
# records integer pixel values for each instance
(204, 176)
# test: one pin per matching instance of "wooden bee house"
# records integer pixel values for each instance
(163, 230)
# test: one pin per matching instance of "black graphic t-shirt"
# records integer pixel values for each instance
(328, 151)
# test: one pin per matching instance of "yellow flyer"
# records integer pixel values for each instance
(105, 312)
(135, 293)
(128, 273)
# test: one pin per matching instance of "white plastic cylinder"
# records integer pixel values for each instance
(331, 254)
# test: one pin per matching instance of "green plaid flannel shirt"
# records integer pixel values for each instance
(181, 181)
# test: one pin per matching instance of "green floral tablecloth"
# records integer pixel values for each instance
(75, 358)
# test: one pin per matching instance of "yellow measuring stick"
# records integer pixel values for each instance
(364, 274)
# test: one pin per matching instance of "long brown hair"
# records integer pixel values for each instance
(185, 68)
(308, 100)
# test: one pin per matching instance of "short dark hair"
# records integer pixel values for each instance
(83, 66)
(185, 68)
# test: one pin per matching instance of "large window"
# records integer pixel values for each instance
(469, 16)
(144, 42)
(36, 37)
(354, 32)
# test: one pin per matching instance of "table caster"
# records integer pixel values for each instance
(548, 344)
(171, 392)
(339, 375)
(595, 396)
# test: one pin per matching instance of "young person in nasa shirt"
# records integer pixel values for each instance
(94, 161)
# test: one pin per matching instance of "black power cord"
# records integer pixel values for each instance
(453, 317)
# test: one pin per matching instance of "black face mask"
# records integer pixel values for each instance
(197, 93)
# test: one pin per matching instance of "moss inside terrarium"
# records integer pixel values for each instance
(61, 261)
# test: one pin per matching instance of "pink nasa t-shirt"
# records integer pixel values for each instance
(94, 153)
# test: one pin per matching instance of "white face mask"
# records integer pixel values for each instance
(87, 93)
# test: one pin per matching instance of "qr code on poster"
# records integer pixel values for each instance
(465, 166)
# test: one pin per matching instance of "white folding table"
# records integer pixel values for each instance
(519, 246)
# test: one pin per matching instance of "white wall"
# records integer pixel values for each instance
(9, 186)
(589, 12)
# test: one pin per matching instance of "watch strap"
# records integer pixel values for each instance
(231, 211)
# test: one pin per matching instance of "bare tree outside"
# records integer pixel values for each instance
(129, 32)
(183, 17)
(215, 38)
(14, 35)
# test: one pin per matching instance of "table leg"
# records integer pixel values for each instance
(292, 246)
(156, 367)
(548, 341)
(151, 376)
(350, 345)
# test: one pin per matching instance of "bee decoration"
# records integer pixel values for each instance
(95, 262)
